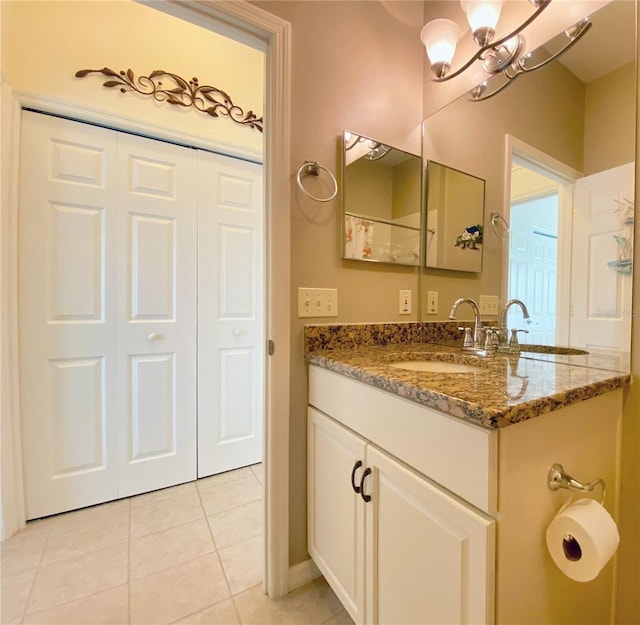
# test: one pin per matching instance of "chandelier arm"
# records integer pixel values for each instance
(573, 41)
(495, 44)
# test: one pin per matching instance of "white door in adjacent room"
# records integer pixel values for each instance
(600, 265)
(156, 332)
(67, 283)
(230, 313)
(118, 311)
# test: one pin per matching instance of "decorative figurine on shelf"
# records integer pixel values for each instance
(470, 238)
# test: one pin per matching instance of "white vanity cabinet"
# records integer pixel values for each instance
(454, 528)
(402, 549)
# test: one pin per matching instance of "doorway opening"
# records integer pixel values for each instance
(533, 251)
(246, 23)
(537, 265)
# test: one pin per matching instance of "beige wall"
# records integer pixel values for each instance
(609, 102)
(45, 43)
(356, 65)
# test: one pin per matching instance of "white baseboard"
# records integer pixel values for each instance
(302, 573)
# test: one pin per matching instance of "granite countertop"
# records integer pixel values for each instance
(502, 390)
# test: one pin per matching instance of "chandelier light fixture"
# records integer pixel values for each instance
(500, 57)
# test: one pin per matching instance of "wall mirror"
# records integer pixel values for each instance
(381, 200)
(455, 218)
(558, 140)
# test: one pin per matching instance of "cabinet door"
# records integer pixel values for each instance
(336, 512)
(429, 556)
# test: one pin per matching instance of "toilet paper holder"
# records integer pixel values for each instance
(559, 478)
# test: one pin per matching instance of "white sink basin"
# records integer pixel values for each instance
(434, 366)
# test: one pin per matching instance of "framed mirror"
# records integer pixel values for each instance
(455, 218)
(381, 200)
(557, 140)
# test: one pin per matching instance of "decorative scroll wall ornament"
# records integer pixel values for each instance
(178, 92)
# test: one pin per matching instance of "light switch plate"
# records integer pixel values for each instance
(405, 302)
(317, 302)
(489, 304)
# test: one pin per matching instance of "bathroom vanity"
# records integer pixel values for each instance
(428, 497)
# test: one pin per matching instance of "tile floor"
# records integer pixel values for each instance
(188, 554)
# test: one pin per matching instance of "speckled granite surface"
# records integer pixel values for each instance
(501, 391)
(348, 335)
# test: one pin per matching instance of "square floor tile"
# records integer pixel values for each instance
(237, 524)
(23, 551)
(223, 613)
(163, 494)
(80, 519)
(77, 577)
(174, 593)
(162, 550)
(14, 594)
(340, 619)
(206, 483)
(312, 604)
(231, 494)
(243, 563)
(110, 607)
(162, 515)
(258, 471)
(96, 533)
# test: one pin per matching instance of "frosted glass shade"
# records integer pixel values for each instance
(482, 13)
(440, 38)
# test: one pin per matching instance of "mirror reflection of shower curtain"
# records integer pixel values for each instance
(358, 237)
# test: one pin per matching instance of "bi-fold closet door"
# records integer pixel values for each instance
(108, 297)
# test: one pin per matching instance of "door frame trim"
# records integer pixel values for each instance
(239, 19)
(566, 176)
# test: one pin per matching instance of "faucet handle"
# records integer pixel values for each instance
(467, 341)
(491, 338)
(513, 341)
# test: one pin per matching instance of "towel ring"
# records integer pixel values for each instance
(311, 168)
(498, 218)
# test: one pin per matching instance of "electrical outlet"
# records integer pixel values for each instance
(489, 304)
(317, 302)
(432, 303)
(405, 302)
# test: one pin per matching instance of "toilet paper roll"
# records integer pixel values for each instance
(581, 539)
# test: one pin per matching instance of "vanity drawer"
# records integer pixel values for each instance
(458, 455)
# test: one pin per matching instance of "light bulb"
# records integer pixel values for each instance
(482, 16)
(440, 38)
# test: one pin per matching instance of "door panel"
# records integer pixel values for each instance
(157, 314)
(600, 295)
(154, 421)
(153, 264)
(237, 272)
(336, 512)
(76, 232)
(230, 314)
(426, 545)
(67, 319)
(77, 412)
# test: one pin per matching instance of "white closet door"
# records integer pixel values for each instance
(230, 313)
(157, 264)
(67, 313)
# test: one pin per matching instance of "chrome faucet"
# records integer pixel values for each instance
(504, 343)
(470, 344)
